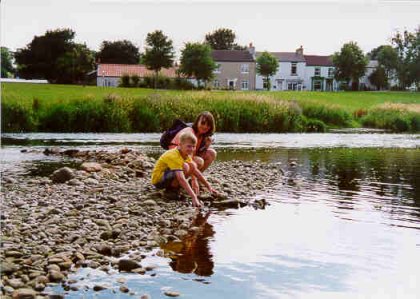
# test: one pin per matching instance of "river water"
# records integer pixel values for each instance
(344, 222)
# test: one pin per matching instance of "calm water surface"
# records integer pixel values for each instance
(343, 223)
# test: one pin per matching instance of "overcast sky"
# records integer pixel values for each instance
(320, 26)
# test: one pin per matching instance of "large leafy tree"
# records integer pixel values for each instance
(120, 52)
(267, 66)
(77, 63)
(55, 57)
(196, 60)
(159, 52)
(379, 78)
(388, 58)
(407, 46)
(222, 39)
(350, 64)
(7, 69)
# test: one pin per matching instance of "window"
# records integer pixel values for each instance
(216, 84)
(292, 86)
(317, 71)
(294, 69)
(231, 84)
(244, 85)
(330, 72)
(317, 85)
(244, 68)
(217, 70)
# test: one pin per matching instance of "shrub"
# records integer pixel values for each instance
(315, 125)
(125, 81)
(16, 118)
(331, 115)
(135, 81)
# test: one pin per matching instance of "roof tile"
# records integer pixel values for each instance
(117, 70)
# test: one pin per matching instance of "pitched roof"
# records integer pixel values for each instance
(317, 60)
(232, 56)
(117, 70)
(286, 56)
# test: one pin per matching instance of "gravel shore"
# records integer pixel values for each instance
(94, 215)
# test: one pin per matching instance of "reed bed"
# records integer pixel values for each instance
(60, 108)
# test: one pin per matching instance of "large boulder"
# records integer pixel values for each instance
(62, 175)
(91, 166)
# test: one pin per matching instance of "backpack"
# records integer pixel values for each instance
(169, 134)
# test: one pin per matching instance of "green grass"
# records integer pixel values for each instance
(69, 108)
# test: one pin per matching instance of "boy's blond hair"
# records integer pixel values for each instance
(187, 136)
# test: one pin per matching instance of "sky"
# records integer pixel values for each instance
(320, 26)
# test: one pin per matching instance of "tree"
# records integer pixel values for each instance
(388, 58)
(373, 54)
(159, 52)
(55, 57)
(379, 78)
(121, 52)
(7, 69)
(407, 46)
(76, 63)
(196, 60)
(267, 66)
(223, 39)
(350, 64)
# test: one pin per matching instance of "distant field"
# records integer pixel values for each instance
(245, 111)
(347, 100)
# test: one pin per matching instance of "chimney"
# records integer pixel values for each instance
(299, 51)
(251, 49)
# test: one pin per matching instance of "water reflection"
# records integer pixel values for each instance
(192, 254)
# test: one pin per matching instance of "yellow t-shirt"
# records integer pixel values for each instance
(171, 159)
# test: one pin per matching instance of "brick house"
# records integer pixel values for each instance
(110, 74)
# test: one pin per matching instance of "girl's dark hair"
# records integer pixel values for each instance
(208, 117)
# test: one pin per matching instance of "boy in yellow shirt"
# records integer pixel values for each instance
(172, 168)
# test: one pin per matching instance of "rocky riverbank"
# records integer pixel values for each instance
(103, 215)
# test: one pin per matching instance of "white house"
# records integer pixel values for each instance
(319, 73)
(290, 74)
(364, 82)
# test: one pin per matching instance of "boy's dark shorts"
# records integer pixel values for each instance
(167, 178)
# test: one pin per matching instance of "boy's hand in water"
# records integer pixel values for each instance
(197, 203)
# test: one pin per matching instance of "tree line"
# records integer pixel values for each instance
(55, 56)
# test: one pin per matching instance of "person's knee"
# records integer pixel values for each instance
(186, 168)
(199, 162)
(211, 154)
(189, 168)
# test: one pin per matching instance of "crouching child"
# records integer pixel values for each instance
(175, 165)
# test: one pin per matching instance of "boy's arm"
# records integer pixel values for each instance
(197, 173)
(184, 184)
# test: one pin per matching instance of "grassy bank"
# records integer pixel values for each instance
(65, 108)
